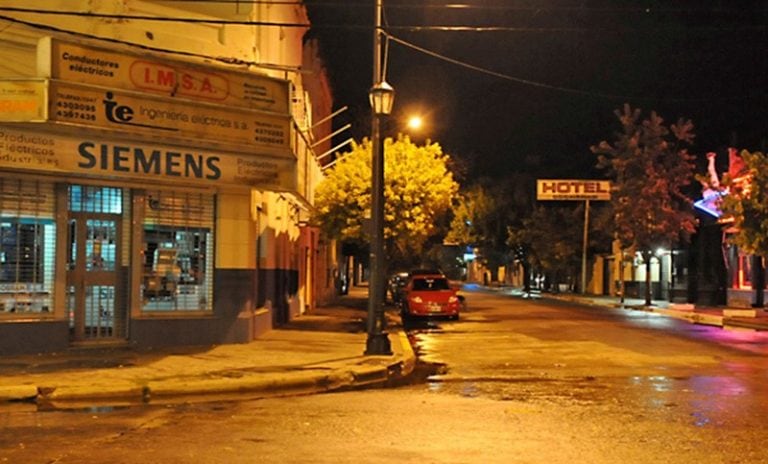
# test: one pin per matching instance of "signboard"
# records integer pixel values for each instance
(143, 162)
(166, 77)
(570, 189)
(23, 101)
(149, 115)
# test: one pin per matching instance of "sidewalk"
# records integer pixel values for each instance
(314, 353)
(727, 318)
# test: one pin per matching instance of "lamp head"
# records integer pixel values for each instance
(382, 97)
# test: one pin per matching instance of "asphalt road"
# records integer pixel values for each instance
(513, 381)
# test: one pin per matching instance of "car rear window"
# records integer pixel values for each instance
(430, 284)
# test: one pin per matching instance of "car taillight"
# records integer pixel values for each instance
(416, 299)
(453, 299)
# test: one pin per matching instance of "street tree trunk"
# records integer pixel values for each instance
(758, 280)
(526, 277)
(648, 292)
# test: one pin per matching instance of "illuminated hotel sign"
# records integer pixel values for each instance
(91, 156)
(184, 120)
(175, 79)
(23, 100)
(569, 189)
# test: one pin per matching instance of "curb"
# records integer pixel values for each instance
(408, 364)
(18, 393)
(744, 324)
(689, 315)
(372, 371)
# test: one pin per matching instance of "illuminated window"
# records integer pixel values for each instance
(89, 199)
(27, 247)
(178, 252)
(743, 274)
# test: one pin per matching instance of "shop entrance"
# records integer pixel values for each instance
(94, 286)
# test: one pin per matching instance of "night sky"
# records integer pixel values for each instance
(562, 68)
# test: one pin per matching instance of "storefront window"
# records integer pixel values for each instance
(177, 255)
(27, 247)
(92, 199)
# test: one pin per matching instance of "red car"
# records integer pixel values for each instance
(429, 296)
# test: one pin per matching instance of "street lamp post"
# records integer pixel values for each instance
(382, 97)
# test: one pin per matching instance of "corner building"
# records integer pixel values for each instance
(151, 195)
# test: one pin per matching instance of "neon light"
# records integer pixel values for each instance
(708, 204)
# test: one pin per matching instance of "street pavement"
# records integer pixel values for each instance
(725, 317)
(317, 352)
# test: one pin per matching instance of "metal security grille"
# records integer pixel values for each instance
(92, 199)
(99, 311)
(27, 246)
(179, 209)
(178, 254)
(96, 297)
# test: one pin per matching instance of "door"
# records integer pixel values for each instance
(92, 278)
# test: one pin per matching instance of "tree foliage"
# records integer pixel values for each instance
(418, 191)
(483, 213)
(552, 237)
(468, 226)
(747, 204)
(650, 166)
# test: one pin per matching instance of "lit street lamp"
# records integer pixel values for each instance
(415, 122)
(382, 96)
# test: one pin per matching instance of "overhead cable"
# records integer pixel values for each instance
(587, 93)
(221, 59)
(412, 28)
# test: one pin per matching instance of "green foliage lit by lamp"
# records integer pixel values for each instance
(418, 189)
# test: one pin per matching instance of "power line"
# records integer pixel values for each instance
(470, 7)
(410, 28)
(237, 61)
(152, 18)
(221, 59)
(542, 85)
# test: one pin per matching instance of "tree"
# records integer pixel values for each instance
(472, 208)
(472, 224)
(418, 191)
(650, 166)
(747, 205)
(484, 212)
(552, 239)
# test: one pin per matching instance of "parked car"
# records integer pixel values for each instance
(395, 285)
(430, 295)
(415, 272)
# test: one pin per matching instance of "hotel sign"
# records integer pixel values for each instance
(91, 156)
(569, 189)
(174, 79)
(157, 116)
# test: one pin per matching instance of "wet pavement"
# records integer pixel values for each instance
(720, 316)
(510, 382)
(316, 352)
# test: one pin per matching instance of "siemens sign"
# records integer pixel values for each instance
(122, 158)
(166, 164)
(569, 189)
